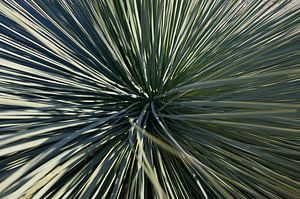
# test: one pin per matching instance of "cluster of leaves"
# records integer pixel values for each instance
(149, 99)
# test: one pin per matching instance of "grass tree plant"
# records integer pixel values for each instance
(149, 99)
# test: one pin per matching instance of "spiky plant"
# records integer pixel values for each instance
(149, 99)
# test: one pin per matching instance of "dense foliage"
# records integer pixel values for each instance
(149, 99)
